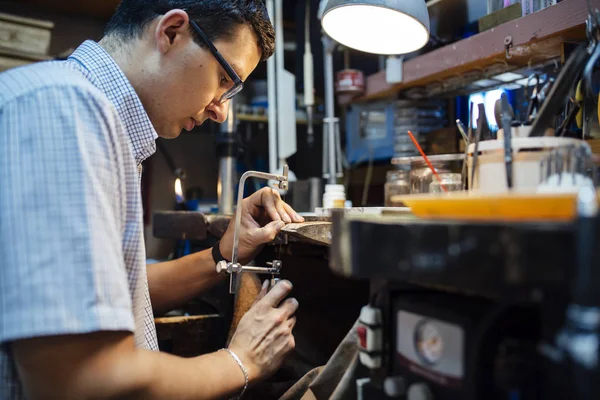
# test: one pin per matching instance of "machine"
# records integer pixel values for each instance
(476, 310)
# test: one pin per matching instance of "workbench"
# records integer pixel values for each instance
(492, 259)
(329, 303)
(492, 280)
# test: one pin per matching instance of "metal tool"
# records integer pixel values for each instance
(486, 133)
(233, 267)
(481, 121)
(560, 91)
(506, 126)
(463, 131)
(589, 97)
(469, 139)
(534, 100)
(571, 116)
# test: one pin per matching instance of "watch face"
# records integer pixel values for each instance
(429, 344)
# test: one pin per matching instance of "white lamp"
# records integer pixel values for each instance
(378, 26)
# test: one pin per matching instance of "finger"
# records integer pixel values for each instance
(263, 291)
(291, 323)
(289, 307)
(279, 205)
(277, 293)
(267, 233)
(291, 344)
(290, 211)
(268, 199)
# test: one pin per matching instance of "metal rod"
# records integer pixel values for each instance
(339, 172)
(325, 151)
(309, 100)
(260, 270)
(227, 151)
(328, 47)
(272, 98)
(225, 185)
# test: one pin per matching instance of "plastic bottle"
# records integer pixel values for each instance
(334, 196)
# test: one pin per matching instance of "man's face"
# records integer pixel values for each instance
(184, 82)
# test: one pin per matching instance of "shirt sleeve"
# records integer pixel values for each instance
(61, 258)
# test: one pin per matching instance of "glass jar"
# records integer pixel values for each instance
(421, 175)
(397, 183)
(452, 183)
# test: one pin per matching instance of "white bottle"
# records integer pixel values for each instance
(334, 196)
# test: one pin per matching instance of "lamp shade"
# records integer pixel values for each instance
(378, 26)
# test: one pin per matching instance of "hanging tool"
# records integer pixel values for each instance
(589, 106)
(560, 91)
(233, 267)
(506, 119)
(574, 110)
(579, 97)
(534, 100)
(486, 133)
(583, 59)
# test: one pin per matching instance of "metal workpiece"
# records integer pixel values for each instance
(233, 267)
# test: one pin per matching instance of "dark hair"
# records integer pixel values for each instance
(217, 18)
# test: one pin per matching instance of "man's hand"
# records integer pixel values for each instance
(263, 216)
(264, 335)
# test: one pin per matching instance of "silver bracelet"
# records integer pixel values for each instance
(239, 362)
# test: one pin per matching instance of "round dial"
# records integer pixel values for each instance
(428, 342)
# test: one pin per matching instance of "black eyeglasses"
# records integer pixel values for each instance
(238, 84)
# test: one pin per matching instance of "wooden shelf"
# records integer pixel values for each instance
(536, 38)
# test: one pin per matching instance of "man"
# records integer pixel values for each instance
(76, 321)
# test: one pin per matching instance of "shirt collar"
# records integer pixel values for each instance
(104, 73)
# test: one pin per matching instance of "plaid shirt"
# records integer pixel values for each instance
(72, 260)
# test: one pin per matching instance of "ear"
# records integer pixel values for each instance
(171, 29)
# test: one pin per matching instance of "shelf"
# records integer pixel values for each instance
(536, 38)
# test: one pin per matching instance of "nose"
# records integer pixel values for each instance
(218, 111)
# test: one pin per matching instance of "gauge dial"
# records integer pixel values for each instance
(429, 343)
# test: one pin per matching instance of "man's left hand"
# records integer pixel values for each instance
(263, 215)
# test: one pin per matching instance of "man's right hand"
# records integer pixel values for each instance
(264, 335)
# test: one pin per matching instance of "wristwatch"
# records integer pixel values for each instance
(216, 253)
